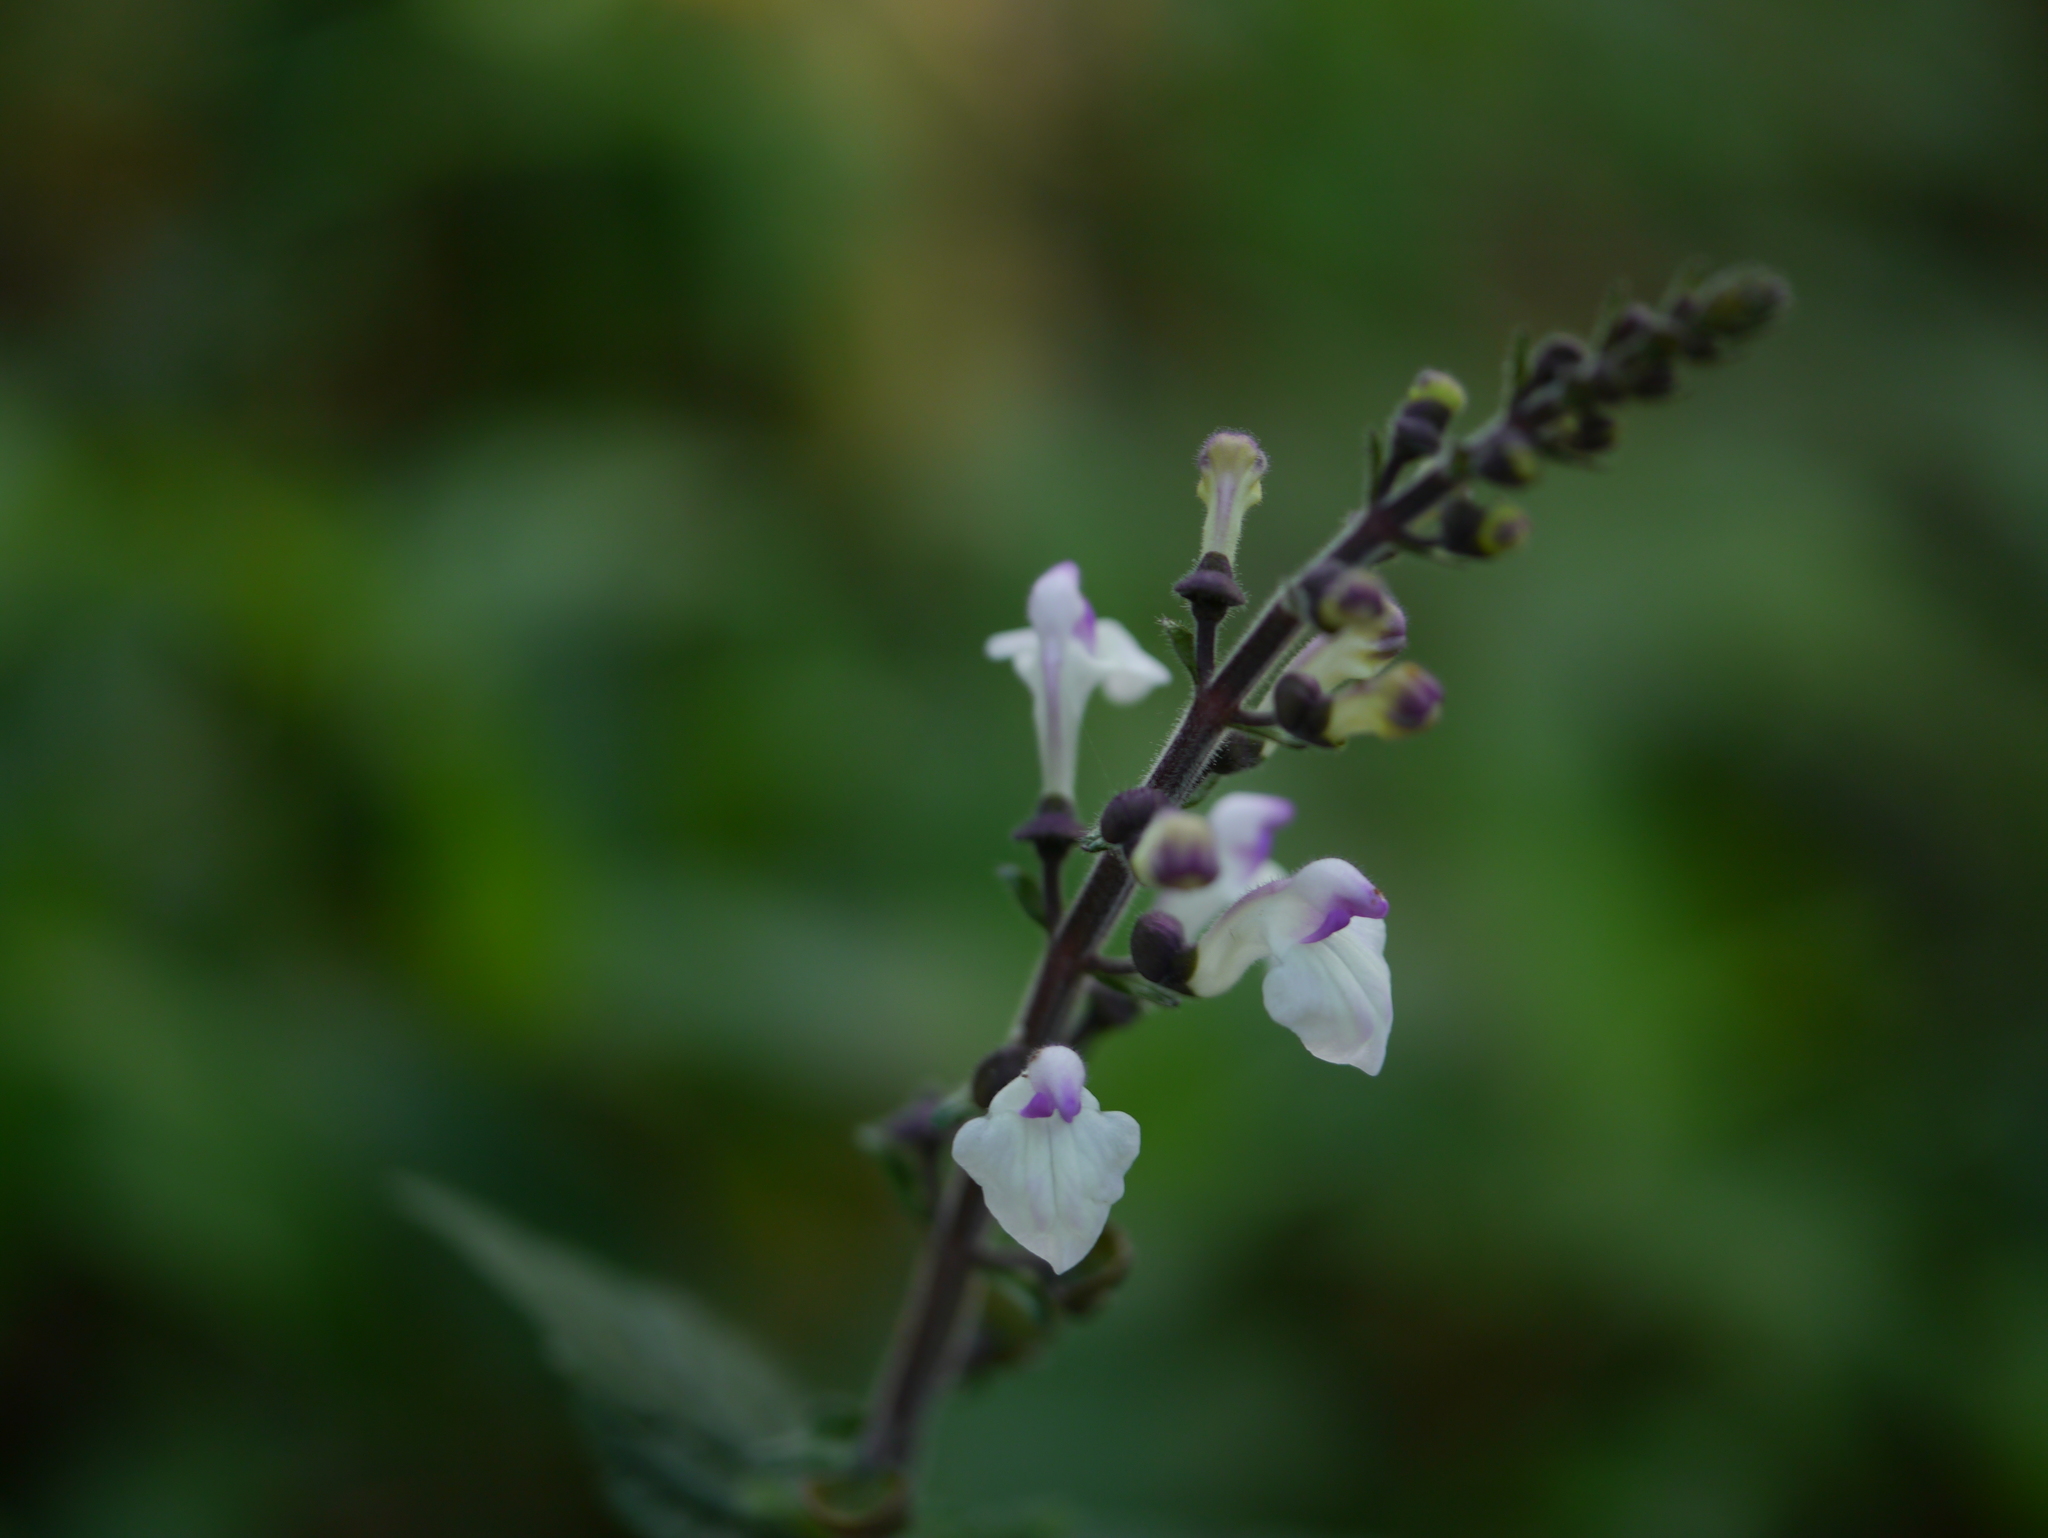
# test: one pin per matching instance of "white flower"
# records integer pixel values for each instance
(1049, 1159)
(1063, 658)
(1324, 931)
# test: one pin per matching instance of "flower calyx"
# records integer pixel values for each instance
(1160, 951)
(1128, 813)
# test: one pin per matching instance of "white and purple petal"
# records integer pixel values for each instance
(1049, 1160)
(1063, 658)
(1336, 994)
(1312, 904)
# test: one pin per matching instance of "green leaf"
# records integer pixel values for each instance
(1516, 366)
(1024, 887)
(687, 1420)
(1182, 640)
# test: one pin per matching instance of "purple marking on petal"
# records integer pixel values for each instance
(1184, 866)
(1343, 909)
(1040, 1106)
(1246, 823)
(1084, 627)
(1068, 1101)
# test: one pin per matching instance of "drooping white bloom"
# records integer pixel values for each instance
(1324, 932)
(1065, 656)
(1049, 1159)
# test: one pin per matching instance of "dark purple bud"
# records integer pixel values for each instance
(1301, 708)
(1418, 430)
(1161, 953)
(1124, 819)
(1635, 322)
(1510, 459)
(996, 1070)
(1556, 358)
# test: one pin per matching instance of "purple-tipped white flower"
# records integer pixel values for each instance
(1324, 932)
(1065, 656)
(1049, 1159)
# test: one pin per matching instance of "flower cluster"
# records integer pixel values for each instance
(1049, 1160)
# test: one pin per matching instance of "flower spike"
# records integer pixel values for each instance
(1049, 1159)
(1063, 658)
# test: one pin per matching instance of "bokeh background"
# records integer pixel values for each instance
(500, 502)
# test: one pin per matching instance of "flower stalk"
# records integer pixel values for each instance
(1558, 408)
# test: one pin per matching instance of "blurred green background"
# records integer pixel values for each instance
(500, 502)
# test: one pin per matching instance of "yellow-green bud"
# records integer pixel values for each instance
(1402, 700)
(1436, 386)
(1357, 602)
(1484, 532)
(1232, 465)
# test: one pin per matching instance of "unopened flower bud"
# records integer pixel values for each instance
(1177, 849)
(1416, 432)
(1402, 700)
(1635, 321)
(1356, 601)
(1733, 305)
(1510, 459)
(1593, 432)
(1301, 708)
(1128, 812)
(1160, 951)
(1435, 397)
(1483, 532)
(1555, 358)
(1232, 465)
